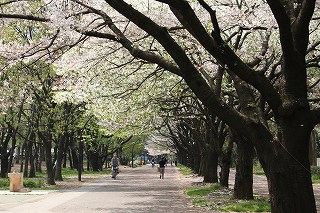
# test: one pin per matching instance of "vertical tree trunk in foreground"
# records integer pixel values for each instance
(243, 187)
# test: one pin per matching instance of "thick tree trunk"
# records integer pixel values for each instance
(30, 156)
(94, 159)
(289, 190)
(74, 153)
(210, 173)
(200, 164)
(197, 162)
(47, 140)
(4, 154)
(243, 187)
(4, 162)
(60, 154)
(225, 164)
(49, 164)
(288, 171)
(32, 172)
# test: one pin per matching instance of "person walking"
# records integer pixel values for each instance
(115, 166)
(162, 164)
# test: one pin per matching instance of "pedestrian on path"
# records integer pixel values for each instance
(115, 166)
(162, 164)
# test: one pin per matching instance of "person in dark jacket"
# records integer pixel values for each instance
(162, 164)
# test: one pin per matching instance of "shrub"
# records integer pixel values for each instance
(33, 183)
(4, 182)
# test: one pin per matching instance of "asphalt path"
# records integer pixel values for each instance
(135, 190)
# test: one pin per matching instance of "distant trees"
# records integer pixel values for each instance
(37, 127)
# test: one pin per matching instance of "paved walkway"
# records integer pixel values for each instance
(136, 190)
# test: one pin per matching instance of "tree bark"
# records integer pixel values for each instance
(288, 170)
(49, 164)
(6, 136)
(30, 144)
(26, 159)
(225, 163)
(47, 141)
(210, 173)
(243, 187)
(60, 154)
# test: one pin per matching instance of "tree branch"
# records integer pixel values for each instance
(284, 23)
(224, 54)
(25, 17)
(191, 75)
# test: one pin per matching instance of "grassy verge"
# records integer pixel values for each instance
(257, 169)
(39, 182)
(256, 205)
(184, 170)
(315, 174)
(219, 198)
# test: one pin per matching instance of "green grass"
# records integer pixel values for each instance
(184, 170)
(67, 172)
(32, 183)
(200, 202)
(247, 206)
(4, 183)
(257, 169)
(202, 191)
(219, 198)
(39, 182)
(315, 172)
(315, 179)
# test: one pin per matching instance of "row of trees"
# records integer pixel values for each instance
(36, 127)
(253, 65)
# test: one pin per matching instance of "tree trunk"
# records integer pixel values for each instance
(12, 150)
(210, 173)
(4, 162)
(313, 148)
(49, 165)
(225, 164)
(197, 162)
(80, 159)
(40, 157)
(94, 159)
(4, 154)
(22, 157)
(18, 155)
(60, 154)
(74, 154)
(244, 170)
(69, 156)
(47, 140)
(26, 159)
(288, 170)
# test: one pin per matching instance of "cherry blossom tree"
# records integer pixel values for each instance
(268, 48)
